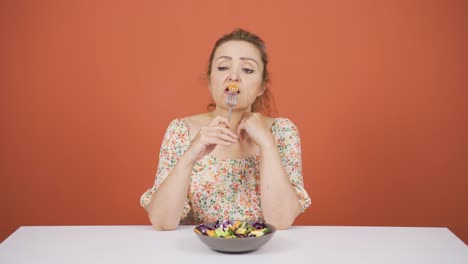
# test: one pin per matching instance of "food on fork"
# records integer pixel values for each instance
(233, 89)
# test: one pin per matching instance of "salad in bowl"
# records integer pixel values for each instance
(234, 235)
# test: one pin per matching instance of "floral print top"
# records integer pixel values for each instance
(227, 189)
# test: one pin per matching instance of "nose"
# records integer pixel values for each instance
(233, 77)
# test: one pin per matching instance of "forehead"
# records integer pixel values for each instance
(236, 49)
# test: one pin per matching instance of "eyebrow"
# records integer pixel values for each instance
(242, 58)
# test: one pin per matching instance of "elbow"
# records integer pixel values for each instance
(281, 225)
(160, 224)
(163, 227)
(280, 222)
(286, 220)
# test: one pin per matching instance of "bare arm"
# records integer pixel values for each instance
(167, 203)
(279, 200)
(280, 203)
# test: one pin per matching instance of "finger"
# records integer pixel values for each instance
(208, 138)
(216, 141)
(241, 130)
(222, 142)
(221, 130)
(222, 136)
(226, 131)
(241, 134)
(224, 121)
(213, 140)
(220, 120)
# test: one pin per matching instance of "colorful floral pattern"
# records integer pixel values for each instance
(227, 189)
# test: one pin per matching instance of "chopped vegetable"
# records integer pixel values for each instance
(230, 229)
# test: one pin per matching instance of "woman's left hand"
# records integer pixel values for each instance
(254, 126)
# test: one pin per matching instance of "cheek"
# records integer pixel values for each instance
(256, 87)
(216, 80)
(248, 97)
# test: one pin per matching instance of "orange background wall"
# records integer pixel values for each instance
(378, 91)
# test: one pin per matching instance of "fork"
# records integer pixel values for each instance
(232, 99)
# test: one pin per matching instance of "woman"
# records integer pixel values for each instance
(246, 168)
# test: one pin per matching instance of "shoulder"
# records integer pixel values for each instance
(284, 130)
(177, 124)
(286, 134)
(283, 124)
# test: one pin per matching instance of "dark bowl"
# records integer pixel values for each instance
(236, 245)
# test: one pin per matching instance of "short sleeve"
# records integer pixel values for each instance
(175, 143)
(289, 145)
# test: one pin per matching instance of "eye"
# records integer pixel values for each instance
(222, 68)
(247, 70)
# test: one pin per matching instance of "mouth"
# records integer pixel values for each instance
(232, 89)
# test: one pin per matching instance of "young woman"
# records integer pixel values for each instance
(248, 168)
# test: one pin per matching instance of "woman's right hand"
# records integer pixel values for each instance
(215, 133)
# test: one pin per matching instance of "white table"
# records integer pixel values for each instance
(299, 244)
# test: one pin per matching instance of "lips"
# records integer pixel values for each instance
(226, 90)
